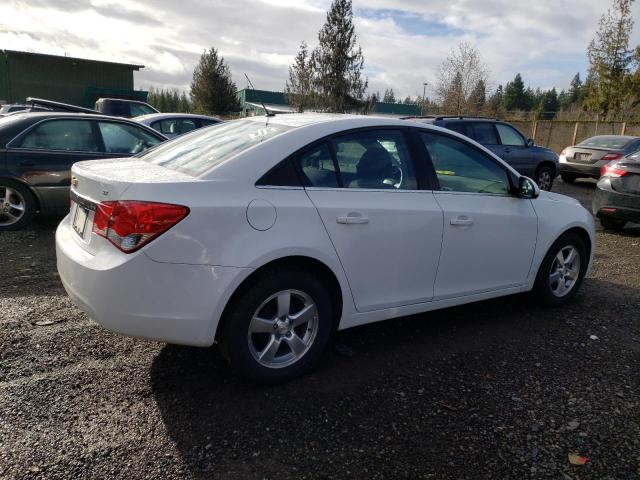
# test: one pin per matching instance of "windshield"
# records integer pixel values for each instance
(606, 141)
(202, 150)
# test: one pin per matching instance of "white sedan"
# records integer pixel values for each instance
(267, 234)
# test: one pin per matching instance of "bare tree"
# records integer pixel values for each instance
(459, 75)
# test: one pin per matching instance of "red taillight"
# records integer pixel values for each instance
(612, 156)
(612, 170)
(131, 224)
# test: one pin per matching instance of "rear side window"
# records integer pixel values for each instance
(203, 149)
(66, 135)
(459, 127)
(483, 133)
(174, 126)
(509, 136)
(126, 139)
(318, 168)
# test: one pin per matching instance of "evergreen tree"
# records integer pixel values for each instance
(338, 60)
(610, 58)
(515, 96)
(299, 87)
(549, 102)
(389, 96)
(212, 89)
(576, 92)
(478, 97)
(184, 106)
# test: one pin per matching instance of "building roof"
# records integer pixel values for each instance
(133, 66)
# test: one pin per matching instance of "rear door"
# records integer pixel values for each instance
(42, 156)
(489, 235)
(387, 232)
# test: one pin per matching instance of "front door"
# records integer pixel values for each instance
(387, 233)
(489, 235)
(517, 154)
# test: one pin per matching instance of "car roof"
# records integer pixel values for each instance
(54, 114)
(150, 117)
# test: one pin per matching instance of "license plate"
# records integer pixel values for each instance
(582, 157)
(80, 220)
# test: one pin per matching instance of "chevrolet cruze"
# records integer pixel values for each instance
(267, 234)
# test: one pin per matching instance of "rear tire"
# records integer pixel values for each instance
(261, 337)
(568, 178)
(544, 178)
(17, 205)
(609, 223)
(558, 280)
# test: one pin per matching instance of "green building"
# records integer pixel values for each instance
(64, 79)
(251, 103)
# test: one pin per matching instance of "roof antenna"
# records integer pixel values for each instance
(266, 112)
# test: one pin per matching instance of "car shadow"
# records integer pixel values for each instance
(221, 423)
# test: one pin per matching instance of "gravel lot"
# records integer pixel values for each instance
(500, 389)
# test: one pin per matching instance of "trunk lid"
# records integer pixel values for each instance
(587, 155)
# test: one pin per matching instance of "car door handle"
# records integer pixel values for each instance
(353, 218)
(461, 220)
(507, 150)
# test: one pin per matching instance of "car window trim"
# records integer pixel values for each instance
(20, 137)
(437, 186)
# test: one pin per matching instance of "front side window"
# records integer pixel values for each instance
(375, 159)
(509, 136)
(483, 133)
(461, 168)
(138, 109)
(126, 139)
(66, 135)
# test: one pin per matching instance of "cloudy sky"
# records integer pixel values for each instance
(404, 41)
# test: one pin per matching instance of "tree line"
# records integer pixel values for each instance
(329, 77)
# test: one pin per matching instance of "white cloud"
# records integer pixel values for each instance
(404, 41)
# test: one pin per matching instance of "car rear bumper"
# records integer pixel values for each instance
(139, 297)
(591, 170)
(610, 203)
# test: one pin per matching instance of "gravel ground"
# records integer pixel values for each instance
(500, 389)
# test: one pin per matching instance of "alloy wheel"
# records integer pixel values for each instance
(283, 328)
(12, 206)
(544, 180)
(565, 270)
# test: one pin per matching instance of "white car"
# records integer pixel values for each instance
(172, 125)
(269, 233)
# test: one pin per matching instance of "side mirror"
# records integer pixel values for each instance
(529, 142)
(527, 188)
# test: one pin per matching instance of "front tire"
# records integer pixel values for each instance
(278, 327)
(544, 178)
(17, 205)
(562, 271)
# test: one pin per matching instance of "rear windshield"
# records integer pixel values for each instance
(608, 141)
(201, 150)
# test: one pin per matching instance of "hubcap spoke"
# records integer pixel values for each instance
(303, 316)
(560, 258)
(261, 325)
(570, 257)
(267, 355)
(554, 277)
(295, 343)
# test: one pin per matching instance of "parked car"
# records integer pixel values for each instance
(266, 234)
(617, 197)
(173, 124)
(506, 142)
(586, 159)
(119, 107)
(12, 107)
(38, 149)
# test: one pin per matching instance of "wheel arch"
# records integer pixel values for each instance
(306, 263)
(28, 187)
(547, 163)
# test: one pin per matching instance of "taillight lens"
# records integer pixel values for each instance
(612, 170)
(612, 156)
(131, 224)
